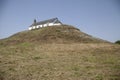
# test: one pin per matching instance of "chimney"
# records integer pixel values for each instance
(34, 21)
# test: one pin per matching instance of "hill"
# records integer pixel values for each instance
(53, 34)
(58, 53)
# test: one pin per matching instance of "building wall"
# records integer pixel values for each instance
(57, 24)
(30, 28)
(50, 24)
(44, 25)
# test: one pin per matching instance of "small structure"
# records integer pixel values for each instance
(49, 22)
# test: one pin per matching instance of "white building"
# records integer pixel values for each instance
(49, 22)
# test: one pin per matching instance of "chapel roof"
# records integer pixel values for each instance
(53, 20)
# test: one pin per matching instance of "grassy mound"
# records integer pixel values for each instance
(58, 53)
(53, 34)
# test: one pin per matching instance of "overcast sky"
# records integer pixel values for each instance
(99, 18)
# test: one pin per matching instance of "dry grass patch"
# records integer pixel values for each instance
(60, 62)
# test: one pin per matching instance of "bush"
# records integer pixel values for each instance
(117, 42)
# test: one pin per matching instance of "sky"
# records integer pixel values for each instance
(99, 18)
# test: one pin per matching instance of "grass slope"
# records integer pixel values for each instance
(31, 55)
(85, 61)
(53, 34)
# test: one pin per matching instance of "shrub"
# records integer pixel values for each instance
(117, 42)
